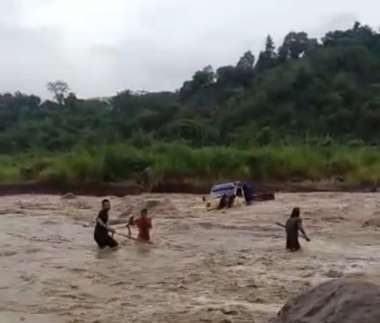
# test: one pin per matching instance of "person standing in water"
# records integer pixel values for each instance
(102, 229)
(143, 224)
(293, 226)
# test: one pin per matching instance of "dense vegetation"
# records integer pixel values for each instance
(308, 110)
(178, 162)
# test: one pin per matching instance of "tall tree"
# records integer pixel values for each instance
(267, 58)
(294, 45)
(246, 62)
(204, 78)
(270, 47)
(244, 69)
(59, 89)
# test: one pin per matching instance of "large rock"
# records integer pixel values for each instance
(337, 301)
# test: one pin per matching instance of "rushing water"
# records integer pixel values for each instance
(203, 266)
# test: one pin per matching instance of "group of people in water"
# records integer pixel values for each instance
(104, 233)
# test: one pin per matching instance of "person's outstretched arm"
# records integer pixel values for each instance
(105, 225)
(131, 222)
(300, 227)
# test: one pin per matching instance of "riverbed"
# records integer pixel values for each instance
(204, 266)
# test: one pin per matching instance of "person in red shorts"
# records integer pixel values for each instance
(143, 224)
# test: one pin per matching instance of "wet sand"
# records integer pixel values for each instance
(215, 266)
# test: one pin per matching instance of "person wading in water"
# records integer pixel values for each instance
(293, 225)
(102, 228)
(143, 224)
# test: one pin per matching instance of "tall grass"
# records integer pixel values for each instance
(10, 169)
(178, 162)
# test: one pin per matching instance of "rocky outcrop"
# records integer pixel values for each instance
(337, 301)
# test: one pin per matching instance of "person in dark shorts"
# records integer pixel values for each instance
(102, 229)
(143, 224)
(293, 226)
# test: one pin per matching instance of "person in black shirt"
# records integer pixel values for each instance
(293, 226)
(102, 228)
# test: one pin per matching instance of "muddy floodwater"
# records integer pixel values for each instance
(214, 266)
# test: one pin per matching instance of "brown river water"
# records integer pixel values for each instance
(216, 266)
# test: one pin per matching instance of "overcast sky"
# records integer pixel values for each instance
(100, 47)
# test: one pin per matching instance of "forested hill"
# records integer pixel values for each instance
(304, 90)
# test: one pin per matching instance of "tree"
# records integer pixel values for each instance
(295, 44)
(357, 25)
(71, 101)
(59, 89)
(186, 90)
(204, 78)
(121, 102)
(201, 79)
(26, 102)
(225, 75)
(244, 69)
(360, 35)
(246, 62)
(267, 58)
(270, 47)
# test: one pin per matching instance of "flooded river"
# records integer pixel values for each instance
(215, 266)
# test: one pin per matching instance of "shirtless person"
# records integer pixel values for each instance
(293, 225)
(102, 228)
(143, 224)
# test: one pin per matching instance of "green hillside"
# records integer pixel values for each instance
(308, 109)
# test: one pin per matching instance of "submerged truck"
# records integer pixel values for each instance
(227, 195)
